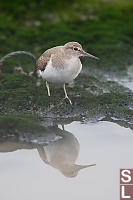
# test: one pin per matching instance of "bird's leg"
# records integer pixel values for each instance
(63, 128)
(47, 86)
(66, 97)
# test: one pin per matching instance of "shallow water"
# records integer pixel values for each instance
(59, 168)
(125, 80)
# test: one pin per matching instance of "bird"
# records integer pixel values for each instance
(58, 65)
(62, 153)
(61, 64)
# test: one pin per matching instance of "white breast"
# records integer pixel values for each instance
(64, 74)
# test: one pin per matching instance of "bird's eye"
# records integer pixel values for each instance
(75, 49)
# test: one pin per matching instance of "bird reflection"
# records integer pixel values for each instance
(56, 147)
(62, 154)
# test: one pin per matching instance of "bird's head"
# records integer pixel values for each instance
(76, 50)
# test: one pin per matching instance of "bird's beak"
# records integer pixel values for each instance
(89, 55)
(79, 167)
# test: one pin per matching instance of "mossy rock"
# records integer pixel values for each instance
(19, 93)
(16, 124)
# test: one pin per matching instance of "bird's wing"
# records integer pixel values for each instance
(45, 57)
(43, 60)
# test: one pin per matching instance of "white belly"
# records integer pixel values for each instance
(61, 75)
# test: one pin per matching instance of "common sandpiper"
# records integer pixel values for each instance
(61, 64)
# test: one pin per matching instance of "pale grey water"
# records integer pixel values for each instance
(124, 80)
(24, 175)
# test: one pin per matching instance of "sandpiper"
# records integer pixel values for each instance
(61, 64)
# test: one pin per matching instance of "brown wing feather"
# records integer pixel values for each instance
(45, 57)
(43, 60)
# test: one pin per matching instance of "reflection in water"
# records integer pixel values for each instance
(62, 154)
(56, 147)
(23, 175)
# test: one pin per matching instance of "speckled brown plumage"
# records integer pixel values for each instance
(45, 57)
(57, 54)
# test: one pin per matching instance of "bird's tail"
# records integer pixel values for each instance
(20, 53)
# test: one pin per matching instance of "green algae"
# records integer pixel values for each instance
(28, 97)
(14, 124)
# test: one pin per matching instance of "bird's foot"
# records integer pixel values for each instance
(67, 99)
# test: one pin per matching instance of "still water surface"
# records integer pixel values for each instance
(61, 169)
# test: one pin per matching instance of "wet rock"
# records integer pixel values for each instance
(91, 98)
